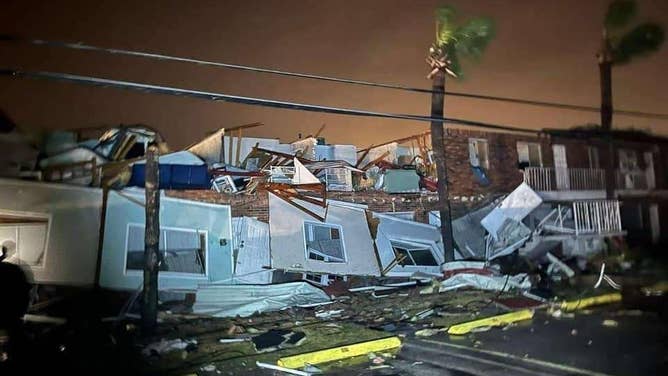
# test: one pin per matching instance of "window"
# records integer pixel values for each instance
(528, 154)
(182, 250)
(628, 160)
(593, 157)
(478, 152)
(23, 237)
(324, 242)
(323, 279)
(413, 254)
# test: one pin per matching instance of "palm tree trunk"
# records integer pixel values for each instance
(438, 147)
(605, 70)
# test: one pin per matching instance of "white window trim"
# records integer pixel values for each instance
(540, 152)
(161, 274)
(330, 225)
(36, 215)
(484, 164)
(415, 245)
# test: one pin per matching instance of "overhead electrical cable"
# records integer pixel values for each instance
(150, 55)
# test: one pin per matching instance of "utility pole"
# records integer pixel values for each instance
(149, 312)
(605, 71)
(438, 148)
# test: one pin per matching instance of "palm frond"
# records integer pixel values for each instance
(445, 25)
(641, 40)
(472, 38)
(620, 13)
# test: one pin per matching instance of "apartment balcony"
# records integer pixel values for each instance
(584, 183)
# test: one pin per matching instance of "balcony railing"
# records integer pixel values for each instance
(597, 217)
(564, 179)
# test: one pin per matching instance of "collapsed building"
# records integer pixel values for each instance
(249, 210)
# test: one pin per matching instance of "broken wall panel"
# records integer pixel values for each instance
(406, 247)
(341, 244)
(251, 250)
(195, 242)
(52, 229)
(517, 205)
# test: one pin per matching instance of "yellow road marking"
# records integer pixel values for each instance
(588, 302)
(338, 353)
(499, 320)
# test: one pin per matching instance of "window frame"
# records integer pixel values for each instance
(528, 148)
(593, 151)
(473, 145)
(307, 252)
(47, 217)
(410, 246)
(201, 235)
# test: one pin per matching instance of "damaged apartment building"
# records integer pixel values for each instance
(250, 210)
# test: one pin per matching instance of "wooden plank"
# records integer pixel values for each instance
(383, 156)
(238, 151)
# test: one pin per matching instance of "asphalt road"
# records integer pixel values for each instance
(633, 343)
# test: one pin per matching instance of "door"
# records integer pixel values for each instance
(654, 222)
(649, 170)
(561, 167)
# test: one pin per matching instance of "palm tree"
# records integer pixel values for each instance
(453, 41)
(619, 45)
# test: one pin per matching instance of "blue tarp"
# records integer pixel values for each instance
(480, 175)
(173, 176)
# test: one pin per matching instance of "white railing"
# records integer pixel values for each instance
(597, 217)
(281, 174)
(567, 179)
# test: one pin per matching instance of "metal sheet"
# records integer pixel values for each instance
(244, 300)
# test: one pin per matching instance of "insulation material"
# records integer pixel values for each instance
(305, 147)
(517, 205)
(295, 234)
(76, 155)
(184, 158)
(398, 237)
(245, 300)
(251, 250)
(303, 175)
(210, 148)
(486, 282)
(460, 274)
(193, 234)
(39, 221)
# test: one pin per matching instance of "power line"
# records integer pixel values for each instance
(149, 55)
(212, 96)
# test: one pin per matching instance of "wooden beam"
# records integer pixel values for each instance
(281, 195)
(398, 141)
(238, 151)
(376, 160)
(364, 154)
(244, 126)
(322, 128)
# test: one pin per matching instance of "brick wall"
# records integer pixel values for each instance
(257, 204)
(503, 172)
